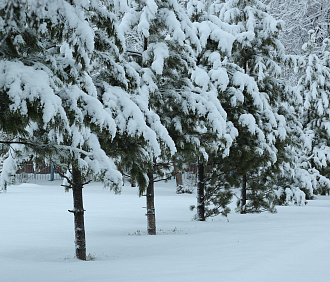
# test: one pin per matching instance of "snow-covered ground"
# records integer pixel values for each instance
(36, 239)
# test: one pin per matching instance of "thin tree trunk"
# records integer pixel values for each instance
(243, 194)
(179, 180)
(78, 211)
(151, 216)
(200, 192)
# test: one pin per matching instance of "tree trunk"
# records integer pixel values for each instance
(179, 180)
(200, 192)
(243, 194)
(78, 211)
(151, 217)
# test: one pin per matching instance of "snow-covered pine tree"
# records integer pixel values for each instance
(251, 100)
(29, 103)
(139, 127)
(293, 162)
(188, 111)
(214, 75)
(314, 86)
(47, 50)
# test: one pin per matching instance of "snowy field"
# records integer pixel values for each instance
(36, 239)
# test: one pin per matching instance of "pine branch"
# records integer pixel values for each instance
(163, 179)
(134, 53)
(41, 145)
(87, 182)
(27, 143)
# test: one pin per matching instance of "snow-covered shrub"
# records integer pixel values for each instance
(290, 196)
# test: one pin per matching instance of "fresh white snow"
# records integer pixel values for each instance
(36, 239)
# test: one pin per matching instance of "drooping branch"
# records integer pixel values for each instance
(49, 146)
(163, 179)
(27, 143)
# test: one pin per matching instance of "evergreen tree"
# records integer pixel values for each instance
(214, 75)
(314, 87)
(252, 101)
(58, 64)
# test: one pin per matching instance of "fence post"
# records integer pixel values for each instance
(51, 173)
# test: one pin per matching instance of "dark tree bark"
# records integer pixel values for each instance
(200, 192)
(178, 179)
(243, 194)
(78, 211)
(151, 216)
